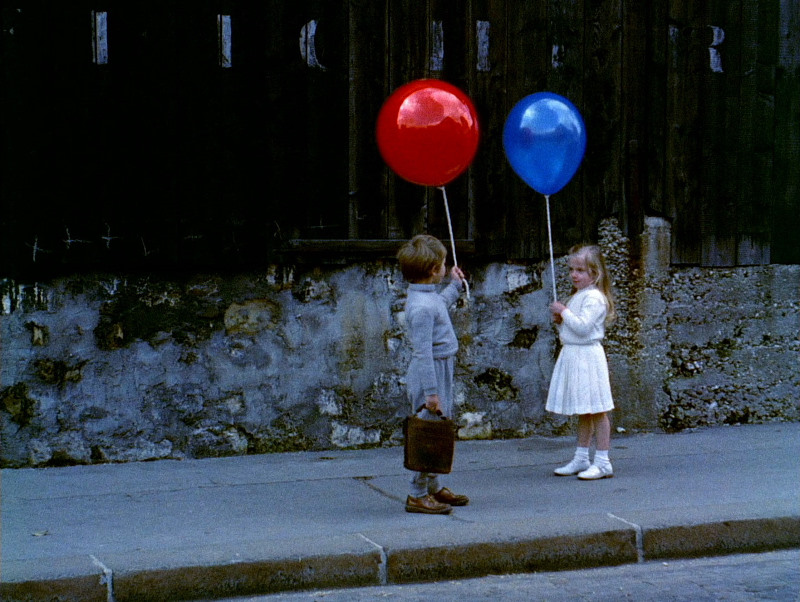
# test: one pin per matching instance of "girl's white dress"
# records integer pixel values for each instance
(580, 383)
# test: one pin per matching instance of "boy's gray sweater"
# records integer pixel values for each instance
(430, 329)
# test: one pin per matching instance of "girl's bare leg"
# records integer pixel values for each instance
(602, 430)
(585, 429)
(601, 466)
(581, 460)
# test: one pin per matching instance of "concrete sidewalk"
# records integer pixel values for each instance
(205, 529)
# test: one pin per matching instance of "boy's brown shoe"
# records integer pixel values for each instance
(446, 496)
(426, 505)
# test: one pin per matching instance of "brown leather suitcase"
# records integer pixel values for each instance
(429, 444)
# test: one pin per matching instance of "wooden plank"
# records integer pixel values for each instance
(572, 221)
(234, 125)
(721, 133)
(752, 209)
(343, 251)
(293, 56)
(367, 215)
(528, 57)
(655, 202)
(684, 134)
(407, 58)
(26, 93)
(222, 166)
(786, 209)
(602, 110)
(325, 122)
(634, 85)
(448, 47)
(491, 176)
(763, 182)
(145, 120)
(281, 89)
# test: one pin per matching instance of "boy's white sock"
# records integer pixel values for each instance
(601, 458)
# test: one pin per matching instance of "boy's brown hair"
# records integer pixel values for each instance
(420, 256)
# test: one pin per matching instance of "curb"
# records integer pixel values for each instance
(481, 559)
(409, 564)
(718, 539)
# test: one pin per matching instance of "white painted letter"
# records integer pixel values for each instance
(555, 56)
(99, 37)
(715, 59)
(308, 48)
(437, 46)
(224, 41)
(483, 28)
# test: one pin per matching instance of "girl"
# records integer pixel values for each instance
(580, 383)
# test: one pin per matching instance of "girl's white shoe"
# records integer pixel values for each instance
(572, 468)
(595, 472)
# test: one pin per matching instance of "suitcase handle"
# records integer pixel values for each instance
(438, 412)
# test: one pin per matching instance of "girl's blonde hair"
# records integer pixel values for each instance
(592, 257)
(420, 256)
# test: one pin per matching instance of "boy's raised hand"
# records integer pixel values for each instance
(457, 274)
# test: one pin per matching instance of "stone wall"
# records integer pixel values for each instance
(112, 369)
(702, 347)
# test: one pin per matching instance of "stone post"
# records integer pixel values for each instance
(636, 344)
(651, 363)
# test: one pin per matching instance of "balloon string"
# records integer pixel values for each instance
(550, 238)
(452, 240)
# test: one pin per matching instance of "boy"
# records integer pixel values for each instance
(433, 343)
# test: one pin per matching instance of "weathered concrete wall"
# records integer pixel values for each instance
(99, 369)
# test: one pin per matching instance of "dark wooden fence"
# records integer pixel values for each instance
(166, 135)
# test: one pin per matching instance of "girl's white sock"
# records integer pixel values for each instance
(601, 458)
(582, 453)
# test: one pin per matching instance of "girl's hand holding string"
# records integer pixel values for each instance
(556, 308)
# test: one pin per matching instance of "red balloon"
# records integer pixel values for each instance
(427, 132)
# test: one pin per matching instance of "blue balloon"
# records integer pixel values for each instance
(544, 139)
